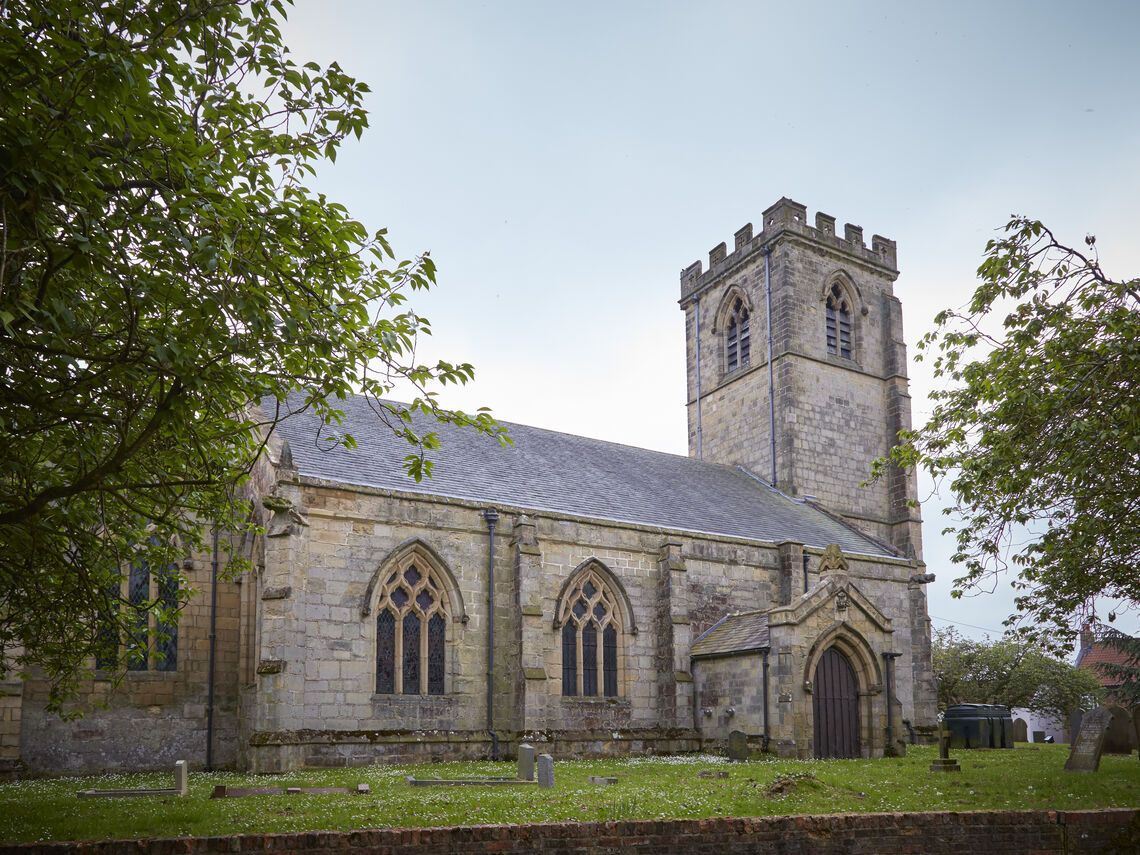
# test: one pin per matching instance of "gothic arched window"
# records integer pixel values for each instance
(411, 631)
(591, 634)
(838, 322)
(737, 347)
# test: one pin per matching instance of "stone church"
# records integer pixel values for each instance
(589, 597)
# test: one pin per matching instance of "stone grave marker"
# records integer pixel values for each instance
(1088, 743)
(181, 779)
(545, 770)
(526, 762)
(944, 763)
(738, 746)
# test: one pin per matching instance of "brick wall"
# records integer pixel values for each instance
(977, 832)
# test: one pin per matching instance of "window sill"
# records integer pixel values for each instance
(589, 701)
(105, 676)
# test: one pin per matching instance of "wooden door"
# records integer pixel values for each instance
(835, 706)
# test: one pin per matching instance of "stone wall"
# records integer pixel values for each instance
(978, 832)
(151, 718)
(834, 414)
(316, 702)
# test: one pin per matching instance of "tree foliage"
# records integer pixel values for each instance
(162, 266)
(1009, 672)
(1036, 427)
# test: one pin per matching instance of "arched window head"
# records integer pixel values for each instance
(412, 614)
(737, 346)
(838, 322)
(591, 636)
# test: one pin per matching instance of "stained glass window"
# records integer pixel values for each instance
(412, 660)
(166, 637)
(570, 660)
(589, 660)
(609, 661)
(588, 608)
(385, 653)
(437, 626)
(107, 635)
(138, 594)
(411, 654)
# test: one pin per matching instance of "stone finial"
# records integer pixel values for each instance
(285, 459)
(832, 561)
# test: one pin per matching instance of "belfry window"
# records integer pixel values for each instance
(838, 322)
(411, 632)
(591, 631)
(737, 346)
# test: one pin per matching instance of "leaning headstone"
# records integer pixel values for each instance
(1088, 742)
(545, 770)
(526, 762)
(738, 745)
(181, 780)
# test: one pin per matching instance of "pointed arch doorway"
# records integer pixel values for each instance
(835, 706)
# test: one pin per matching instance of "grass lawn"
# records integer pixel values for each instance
(663, 787)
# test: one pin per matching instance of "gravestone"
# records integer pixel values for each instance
(1088, 741)
(1038, 736)
(545, 770)
(1118, 738)
(738, 746)
(526, 762)
(604, 780)
(181, 780)
(944, 763)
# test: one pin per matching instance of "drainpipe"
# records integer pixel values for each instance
(697, 336)
(491, 516)
(888, 667)
(213, 650)
(767, 251)
(767, 730)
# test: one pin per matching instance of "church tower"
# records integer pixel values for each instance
(833, 356)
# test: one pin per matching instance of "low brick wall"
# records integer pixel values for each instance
(1111, 832)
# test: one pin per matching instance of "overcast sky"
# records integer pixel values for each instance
(564, 161)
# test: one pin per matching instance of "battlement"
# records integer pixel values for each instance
(788, 216)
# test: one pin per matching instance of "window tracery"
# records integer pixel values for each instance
(591, 634)
(412, 613)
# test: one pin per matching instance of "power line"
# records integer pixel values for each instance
(963, 623)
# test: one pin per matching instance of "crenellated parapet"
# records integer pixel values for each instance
(785, 218)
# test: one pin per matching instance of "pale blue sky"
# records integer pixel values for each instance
(563, 162)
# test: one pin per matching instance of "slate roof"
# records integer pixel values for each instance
(737, 633)
(559, 473)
